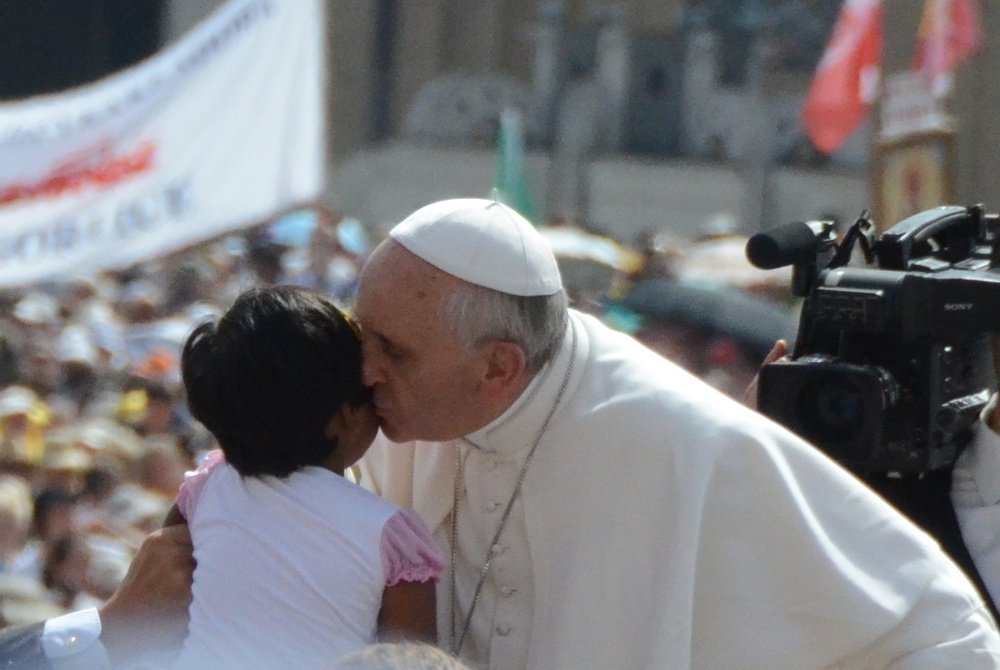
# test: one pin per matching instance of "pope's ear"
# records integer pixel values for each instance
(506, 363)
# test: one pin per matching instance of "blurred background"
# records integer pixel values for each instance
(647, 139)
(639, 116)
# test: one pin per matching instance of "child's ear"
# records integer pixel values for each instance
(345, 420)
(341, 422)
(336, 425)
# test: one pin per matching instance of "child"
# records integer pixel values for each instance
(296, 566)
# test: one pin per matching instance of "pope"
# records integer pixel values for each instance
(603, 508)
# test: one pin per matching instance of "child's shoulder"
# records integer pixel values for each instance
(350, 493)
(195, 480)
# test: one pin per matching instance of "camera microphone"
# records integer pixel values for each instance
(789, 244)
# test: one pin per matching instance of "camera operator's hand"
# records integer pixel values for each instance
(778, 351)
(994, 418)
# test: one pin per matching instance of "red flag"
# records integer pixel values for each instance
(949, 32)
(847, 77)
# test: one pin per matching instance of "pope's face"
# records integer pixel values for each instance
(426, 386)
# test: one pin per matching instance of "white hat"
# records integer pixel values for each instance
(17, 400)
(76, 346)
(483, 242)
(37, 309)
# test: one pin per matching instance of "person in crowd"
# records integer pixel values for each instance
(283, 542)
(24, 417)
(571, 472)
(17, 555)
(54, 515)
(69, 572)
(99, 486)
(975, 496)
(154, 410)
(162, 466)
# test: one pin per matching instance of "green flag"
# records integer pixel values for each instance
(510, 180)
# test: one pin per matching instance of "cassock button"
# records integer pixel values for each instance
(497, 549)
(503, 631)
(507, 591)
(493, 506)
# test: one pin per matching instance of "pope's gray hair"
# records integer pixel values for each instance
(477, 314)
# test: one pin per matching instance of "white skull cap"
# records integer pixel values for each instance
(483, 242)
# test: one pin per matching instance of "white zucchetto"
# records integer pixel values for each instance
(483, 242)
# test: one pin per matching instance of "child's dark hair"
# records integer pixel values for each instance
(268, 377)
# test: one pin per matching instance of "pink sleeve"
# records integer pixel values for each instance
(194, 480)
(409, 553)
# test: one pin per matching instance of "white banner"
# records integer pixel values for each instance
(216, 132)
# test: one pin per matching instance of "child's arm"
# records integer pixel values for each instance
(412, 563)
(408, 613)
(187, 498)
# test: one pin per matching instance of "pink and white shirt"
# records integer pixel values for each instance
(290, 572)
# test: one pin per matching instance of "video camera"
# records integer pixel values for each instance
(892, 363)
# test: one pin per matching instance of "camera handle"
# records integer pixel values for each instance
(991, 232)
(916, 235)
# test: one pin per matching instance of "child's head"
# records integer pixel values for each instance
(277, 380)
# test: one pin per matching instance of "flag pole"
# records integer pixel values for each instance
(510, 180)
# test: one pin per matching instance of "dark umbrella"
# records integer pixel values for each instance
(754, 321)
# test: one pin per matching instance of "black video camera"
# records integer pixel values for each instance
(892, 363)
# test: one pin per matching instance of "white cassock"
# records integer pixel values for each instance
(663, 525)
